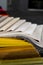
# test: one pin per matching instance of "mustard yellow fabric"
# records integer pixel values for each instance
(18, 47)
(13, 42)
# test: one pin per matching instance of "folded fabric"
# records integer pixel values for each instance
(12, 48)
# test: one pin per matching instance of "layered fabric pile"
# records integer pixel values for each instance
(19, 39)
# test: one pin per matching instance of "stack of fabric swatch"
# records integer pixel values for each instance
(17, 45)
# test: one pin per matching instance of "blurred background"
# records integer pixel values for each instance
(31, 10)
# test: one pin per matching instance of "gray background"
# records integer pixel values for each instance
(16, 4)
(3, 3)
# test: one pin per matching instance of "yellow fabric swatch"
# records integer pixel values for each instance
(12, 47)
(13, 42)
